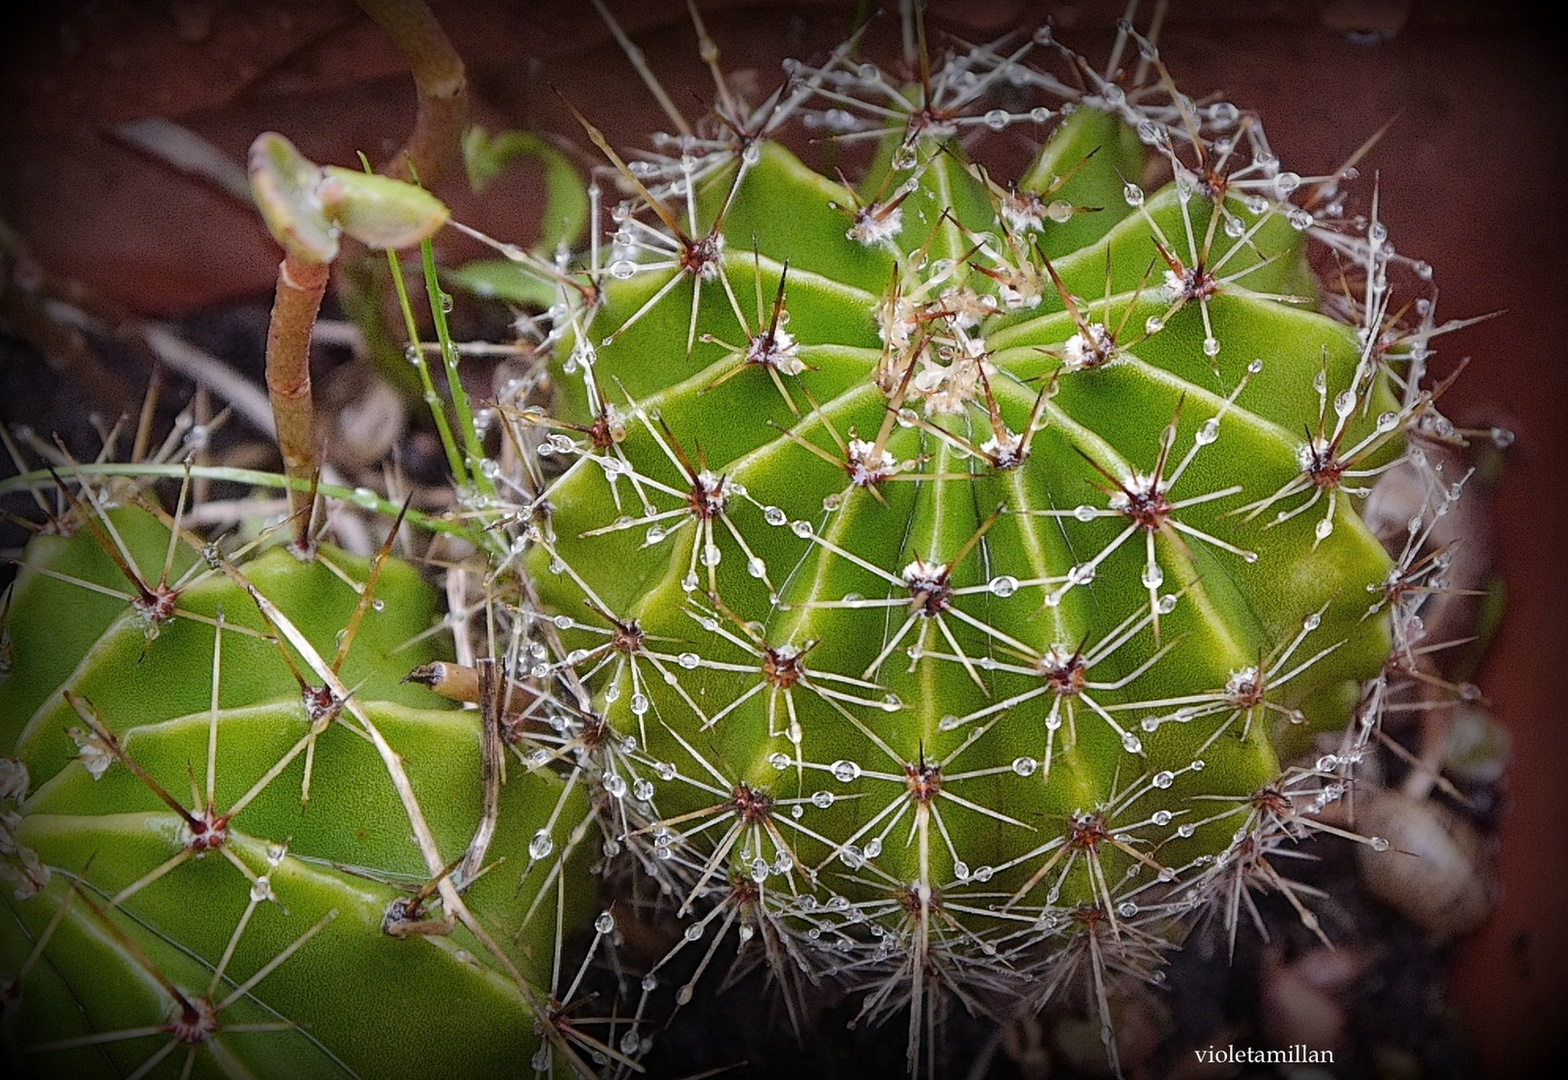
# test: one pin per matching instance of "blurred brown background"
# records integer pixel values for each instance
(1471, 177)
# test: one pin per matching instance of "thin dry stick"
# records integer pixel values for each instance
(301, 285)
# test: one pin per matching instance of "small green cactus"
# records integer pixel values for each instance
(956, 586)
(225, 809)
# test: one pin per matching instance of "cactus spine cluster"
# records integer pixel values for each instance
(937, 581)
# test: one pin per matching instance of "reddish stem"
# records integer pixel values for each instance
(301, 285)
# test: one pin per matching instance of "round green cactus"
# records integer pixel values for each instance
(964, 564)
(229, 822)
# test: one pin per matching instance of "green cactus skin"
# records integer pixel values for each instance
(962, 564)
(309, 883)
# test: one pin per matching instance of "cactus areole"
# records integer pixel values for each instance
(953, 582)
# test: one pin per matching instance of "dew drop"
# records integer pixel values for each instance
(605, 923)
(642, 789)
(1131, 743)
(1152, 577)
(1161, 817)
(961, 870)
(774, 516)
(1166, 604)
(1153, 325)
(1211, 346)
(1085, 512)
(801, 528)
(639, 705)
(1060, 211)
(1185, 831)
(1208, 433)
(1025, 766)
(822, 799)
(1377, 843)
(1004, 585)
(845, 771)
(1223, 114)
(996, 119)
(1133, 194)
(778, 761)
(1322, 529)
(541, 845)
(621, 269)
